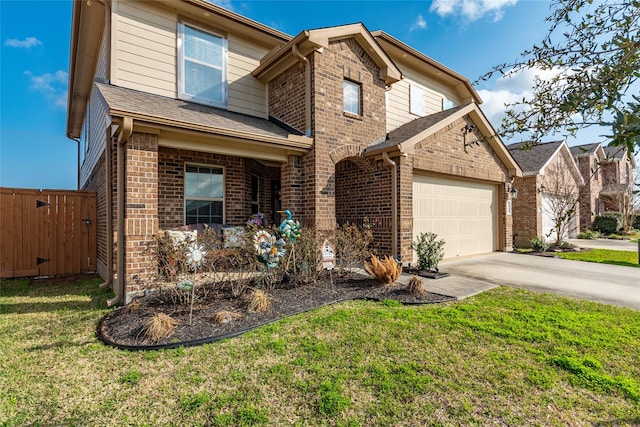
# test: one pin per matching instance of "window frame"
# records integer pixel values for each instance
(209, 199)
(353, 83)
(255, 202)
(181, 67)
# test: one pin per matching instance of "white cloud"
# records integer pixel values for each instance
(27, 43)
(419, 24)
(471, 10)
(53, 86)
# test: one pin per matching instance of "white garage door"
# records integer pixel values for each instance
(462, 213)
(550, 205)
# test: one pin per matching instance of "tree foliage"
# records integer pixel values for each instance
(592, 52)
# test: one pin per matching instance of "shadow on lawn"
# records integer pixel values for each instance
(50, 296)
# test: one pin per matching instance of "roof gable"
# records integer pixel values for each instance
(405, 138)
(535, 158)
(283, 57)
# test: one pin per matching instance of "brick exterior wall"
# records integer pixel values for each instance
(171, 186)
(286, 97)
(526, 210)
(141, 209)
(333, 128)
(364, 192)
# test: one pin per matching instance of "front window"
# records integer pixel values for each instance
(595, 169)
(203, 195)
(202, 66)
(351, 92)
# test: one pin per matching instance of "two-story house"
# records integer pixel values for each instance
(607, 172)
(548, 202)
(189, 113)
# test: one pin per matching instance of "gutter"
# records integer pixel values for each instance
(307, 88)
(394, 203)
(123, 132)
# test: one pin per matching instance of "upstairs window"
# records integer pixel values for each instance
(351, 92)
(416, 100)
(203, 194)
(595, 169)
(202, 66)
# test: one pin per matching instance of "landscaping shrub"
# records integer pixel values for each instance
(352, 246)
(608, 222)
(305, 262)
(589, 235)
(385, 270)
(429, 250)
(539, 245)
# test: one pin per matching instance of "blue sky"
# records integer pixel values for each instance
(468, 36)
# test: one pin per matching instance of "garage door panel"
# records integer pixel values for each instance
(462, 213)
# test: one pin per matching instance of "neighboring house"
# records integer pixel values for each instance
(617, 178)
(189, 113)
(547, 205)
(589, 158)
(608, 175)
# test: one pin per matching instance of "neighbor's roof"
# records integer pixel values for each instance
(533, 157)
(159, 110)
(584, 150)
(614, 153)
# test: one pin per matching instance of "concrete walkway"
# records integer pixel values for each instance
(611, 284)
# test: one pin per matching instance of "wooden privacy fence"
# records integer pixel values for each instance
(47, 232)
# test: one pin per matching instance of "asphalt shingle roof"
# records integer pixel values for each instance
(579, 150)
(614, 153)
(532, 157)
(414, 127)
(133, 101)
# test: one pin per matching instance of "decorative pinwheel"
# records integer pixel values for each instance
(195, 255)
(289, 228)
(269, 250)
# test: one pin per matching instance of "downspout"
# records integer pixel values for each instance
(394, 203)
(307, 88)
(123, 132)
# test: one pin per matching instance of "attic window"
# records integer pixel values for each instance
(351, 92)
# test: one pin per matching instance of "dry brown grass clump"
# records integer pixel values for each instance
(259, 301)
(416, 286)
(224, 316)
(158, 327)
(385, 270)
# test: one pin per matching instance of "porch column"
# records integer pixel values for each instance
(405, 208)
(291, 187)
(141, 211)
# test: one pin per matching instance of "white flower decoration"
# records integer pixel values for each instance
(195, 255)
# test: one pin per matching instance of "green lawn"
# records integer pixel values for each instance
(606, 256)
(505, 357)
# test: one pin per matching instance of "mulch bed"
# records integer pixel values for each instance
(123, 327)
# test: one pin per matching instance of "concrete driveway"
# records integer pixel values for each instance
(611, 284)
